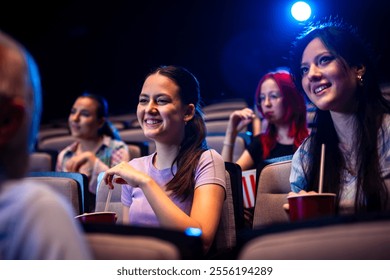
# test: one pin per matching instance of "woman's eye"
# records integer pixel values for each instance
(325, 59)
(142, 101)
(304, 70)
(162, 101)
(261, 99)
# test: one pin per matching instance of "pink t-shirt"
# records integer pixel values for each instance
(210, 170)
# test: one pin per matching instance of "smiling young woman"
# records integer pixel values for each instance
(334, 68)
(182, 184)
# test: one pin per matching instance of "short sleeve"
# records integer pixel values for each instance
(211, 169)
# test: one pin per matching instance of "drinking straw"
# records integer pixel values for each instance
(108, 200)
(322, 163)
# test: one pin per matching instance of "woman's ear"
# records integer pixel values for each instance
(360, 70)
(12, 115)
(189, 113)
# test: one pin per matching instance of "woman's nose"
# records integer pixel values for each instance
(150, 107)
(267, 101)
(314, 72)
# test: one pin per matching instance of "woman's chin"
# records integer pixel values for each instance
(150, 135)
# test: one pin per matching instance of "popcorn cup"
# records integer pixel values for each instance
(249, 187)
(98, 218)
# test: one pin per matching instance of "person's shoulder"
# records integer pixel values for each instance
(212, 155)
(256, 138)
(43, 218)
(385, 125)
(386, 119)
(211, 152)
(302, 150)
(37, 190)
(31, 193)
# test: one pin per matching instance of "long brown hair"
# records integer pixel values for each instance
(194, 143)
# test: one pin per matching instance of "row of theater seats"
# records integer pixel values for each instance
(336, 240)
(119, 241)
(272, 236)
(73, 186)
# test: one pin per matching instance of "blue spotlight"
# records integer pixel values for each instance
(301, 11)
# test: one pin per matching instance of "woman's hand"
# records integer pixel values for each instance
(239, 119)
(83, 161)
(286, 206)
(124, 173)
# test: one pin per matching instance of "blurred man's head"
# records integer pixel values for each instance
(20, 107)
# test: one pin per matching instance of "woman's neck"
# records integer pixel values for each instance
(282, 136)
(91, 145)
(165, 155)
(345, 126)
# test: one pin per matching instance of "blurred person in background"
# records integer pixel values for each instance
(36, 223)
(98, 145)
(283, 107)
(282, 110)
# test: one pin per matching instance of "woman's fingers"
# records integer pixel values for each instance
(72, 167)
(108, 180)
(119, 180)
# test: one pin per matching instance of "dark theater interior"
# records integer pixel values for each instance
(108, 46)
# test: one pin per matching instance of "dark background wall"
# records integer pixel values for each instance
(108, 46)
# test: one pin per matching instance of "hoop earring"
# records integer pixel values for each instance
(360, 80)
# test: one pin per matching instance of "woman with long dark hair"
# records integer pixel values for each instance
(182, 184)
(334, 67)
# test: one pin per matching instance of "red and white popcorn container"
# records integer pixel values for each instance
(249, 187)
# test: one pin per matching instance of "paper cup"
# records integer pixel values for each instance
(98, 218)
(249, 187)
(311, 206)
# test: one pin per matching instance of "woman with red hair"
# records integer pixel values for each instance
(283, 107)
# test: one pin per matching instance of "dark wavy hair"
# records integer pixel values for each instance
(344, 42)
(294, 108)
(102, 113)
(194, 143)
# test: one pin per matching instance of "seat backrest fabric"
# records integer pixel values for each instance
(272, 189)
